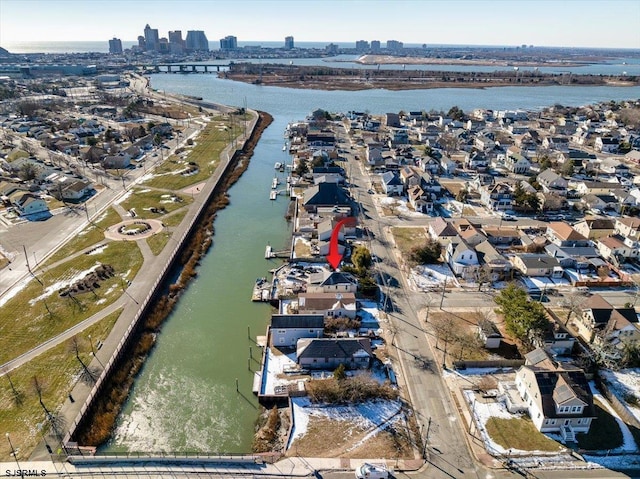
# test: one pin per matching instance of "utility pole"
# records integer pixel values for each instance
(444, 288)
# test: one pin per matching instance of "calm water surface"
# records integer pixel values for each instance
(185, 397)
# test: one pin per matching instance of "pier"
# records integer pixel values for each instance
(183, 68)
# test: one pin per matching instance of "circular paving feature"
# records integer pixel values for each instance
(133, 229)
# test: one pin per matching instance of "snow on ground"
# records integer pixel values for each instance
(370, 415)
(276, 364)
(541, 283)
(97, 250)
(401, 205)
(369, 313)
(622, 383)
(124, 197)
(628, 444)
(54, 288)
(433, 276)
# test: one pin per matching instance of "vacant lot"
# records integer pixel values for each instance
(407, 238)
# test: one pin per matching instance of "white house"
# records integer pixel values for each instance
(559, 400)
(287, 329)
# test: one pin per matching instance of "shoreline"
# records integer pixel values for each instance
(394, 60)
(104, 410)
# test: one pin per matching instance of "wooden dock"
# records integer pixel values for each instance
(261, 291)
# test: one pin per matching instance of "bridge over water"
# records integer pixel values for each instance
(184, 67)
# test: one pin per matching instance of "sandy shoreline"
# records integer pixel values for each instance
(394, 60)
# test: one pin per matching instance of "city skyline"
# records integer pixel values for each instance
(574, 23)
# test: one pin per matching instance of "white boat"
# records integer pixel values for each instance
(274, 184)
(278, 165)
(284, 148)
(273, 195)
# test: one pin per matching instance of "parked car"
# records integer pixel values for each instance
(372, 471)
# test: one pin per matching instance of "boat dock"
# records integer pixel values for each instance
(269, 253)
(261, 290)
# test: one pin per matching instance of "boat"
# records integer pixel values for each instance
(281, 169)
(284, 148)
(274, 184)
(273, 195)
(278, 165)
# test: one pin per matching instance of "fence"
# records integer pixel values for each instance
(498, 363)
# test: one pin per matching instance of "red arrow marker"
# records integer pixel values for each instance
(334, 257)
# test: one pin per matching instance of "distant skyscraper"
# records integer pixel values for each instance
(176, 43)
(331, 49)
(394, 45)
(288, 43)
(362, 46)
(375, 45)
(163, 45)
(228, 43)
(115, 46)
(197, 41)
(142, 44)
(151, 38)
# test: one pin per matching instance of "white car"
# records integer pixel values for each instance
(372, 471)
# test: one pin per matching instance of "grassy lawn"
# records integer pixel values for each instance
(603, 434)
(56, 370)
(158, 241)
(519, 434)
(407, 238)
(205, 154)
(302, 249)
(15, 154)
(91, 235)
(142, 200)
(38, 312)
(174, 219)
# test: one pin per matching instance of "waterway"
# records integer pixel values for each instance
(185, 398)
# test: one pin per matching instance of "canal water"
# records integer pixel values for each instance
(185, 398)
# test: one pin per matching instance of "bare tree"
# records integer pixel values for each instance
(16, 395)
(87, 375)
(573, 303)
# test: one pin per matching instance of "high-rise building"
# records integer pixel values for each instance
(115, 46)
(229, 43)
(332, 49)
(176, 43)
(163, 45)
(151, 38)
(142, 44)
(288, 43)
(362, 46)
(394, 45)
(197, 41)
(375, 45)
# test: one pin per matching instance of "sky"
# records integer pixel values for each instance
(571, 23)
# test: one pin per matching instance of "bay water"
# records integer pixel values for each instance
(185, 398)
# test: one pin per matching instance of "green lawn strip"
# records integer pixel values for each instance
(205, 155)
(91, 235)
(25, 320)
(603, 434)
(407, 238)
(158, 241)
(56, 371)
(519, 433)
(142, 201)
(15, 154)
(174, 219)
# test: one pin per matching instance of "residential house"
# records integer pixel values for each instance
(28, 204)
(628, 227)
(332, 282)
(617, 248)
(556, 143)
(534, 264)
(287, 329)
(489, 258)
(325, 195)
(391, 183)
(440, 229)
(594, 228)
(516, 163)
(501, 236)
(462, 258)
(420, 200)
(497, 197)
(328, 354)
(333, 305)
(606, 144)
(600, 202)
(72, 190)
(558, 398)
(476, 161)
(116, 162)
(607, 327)
(328, 174)
(551, 201)
(562, 234)
(373, 154)
(578, 257)
(556, 339)
(447, 165)
(552, 182)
